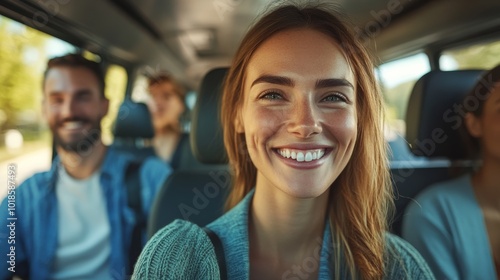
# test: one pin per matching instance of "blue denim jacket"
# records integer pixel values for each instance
(36, 223)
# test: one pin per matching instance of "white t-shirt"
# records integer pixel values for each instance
(83, 249)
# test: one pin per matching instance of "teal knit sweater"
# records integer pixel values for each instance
(182, 250)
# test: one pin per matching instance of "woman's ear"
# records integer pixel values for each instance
(238, 124)
(473, 125)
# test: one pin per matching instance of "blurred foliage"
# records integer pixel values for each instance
(22, 55)
(396, 98)
(482, 56)
(479, 56)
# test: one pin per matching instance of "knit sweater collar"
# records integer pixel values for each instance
(232, 229)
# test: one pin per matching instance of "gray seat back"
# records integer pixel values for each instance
(133, 130)
(433, 119)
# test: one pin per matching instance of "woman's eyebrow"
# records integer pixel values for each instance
(278, 80)
(284, 81)
(326, 83)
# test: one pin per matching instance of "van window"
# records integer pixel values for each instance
(397, 79)
(478, 56)
(116, 83)
(24, 134)
(140, 90)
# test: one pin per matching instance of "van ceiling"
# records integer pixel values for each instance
(188, 38)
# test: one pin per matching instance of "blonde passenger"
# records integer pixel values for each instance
(166, 108)
(302, 121)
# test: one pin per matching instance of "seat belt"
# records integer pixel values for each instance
(219, 252)
(133, 185)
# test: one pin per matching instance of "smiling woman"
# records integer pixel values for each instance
(298, 109)
(302, 122)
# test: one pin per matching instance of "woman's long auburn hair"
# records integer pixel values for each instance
(360, 198)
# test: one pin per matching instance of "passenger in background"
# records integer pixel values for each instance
(456, 224)
(166, 108)
(74, 221)
(302, 120)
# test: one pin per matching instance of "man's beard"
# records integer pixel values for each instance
(87, 140)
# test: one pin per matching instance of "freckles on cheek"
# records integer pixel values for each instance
(262, 124)
(344, 127)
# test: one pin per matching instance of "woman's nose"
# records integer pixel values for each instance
(305, 120)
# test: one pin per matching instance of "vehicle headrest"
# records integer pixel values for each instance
(206, 130)
(435, 113)
(133, 121)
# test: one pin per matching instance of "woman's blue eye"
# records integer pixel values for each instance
(334, 98)
(272, 96)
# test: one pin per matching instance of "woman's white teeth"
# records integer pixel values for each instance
(309, 156)
(302, 155)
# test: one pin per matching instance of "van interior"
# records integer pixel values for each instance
(428, 55)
